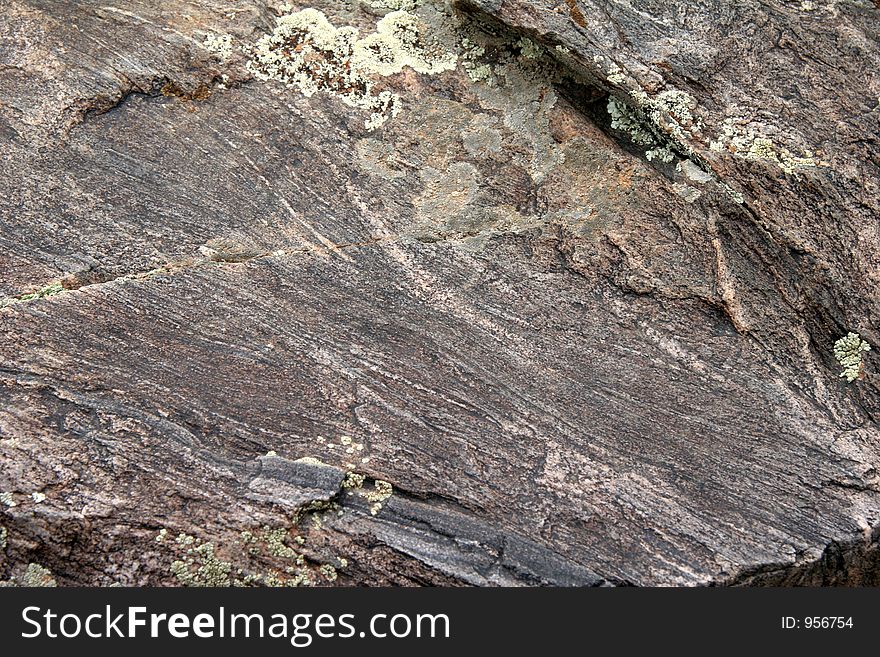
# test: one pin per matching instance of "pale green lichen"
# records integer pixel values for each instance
(274, 540)
(670, 112)
(37, 576)
(6, 499)
(529, 49)
(662, 153)
(749, 142)
(199, 564)
(471, 55)
(848, 351)
(305, 51)
(202, 567)
(616, 75)
(623, 119)
(329, 572)
(678, 105)
(162, 535)
(50, 290)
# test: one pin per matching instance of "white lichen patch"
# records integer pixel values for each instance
(670, 112)
(306, 52)
(848, 351)
(616, 75)
(398, 43)
(310, 460)
(220, 45)
(6, 499)
(661, 154)
(678, 105)
(394, 5)
(38, 497)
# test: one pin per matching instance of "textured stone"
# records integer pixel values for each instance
(582, 348)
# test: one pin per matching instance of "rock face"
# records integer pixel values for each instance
(492, 292)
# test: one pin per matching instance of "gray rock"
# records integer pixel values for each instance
(566, 275)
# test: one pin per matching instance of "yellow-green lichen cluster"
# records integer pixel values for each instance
(848, 351)
(382, 490)
(668, 114)
(200, 565)
(353, 480)
(376, 496)
(305, 51)
(328, 572)
(38, 576)
(48, 291)
(750, 143)
(34, 576)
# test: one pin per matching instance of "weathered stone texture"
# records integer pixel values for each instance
(582, 346)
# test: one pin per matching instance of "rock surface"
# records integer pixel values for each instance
(491, 292)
